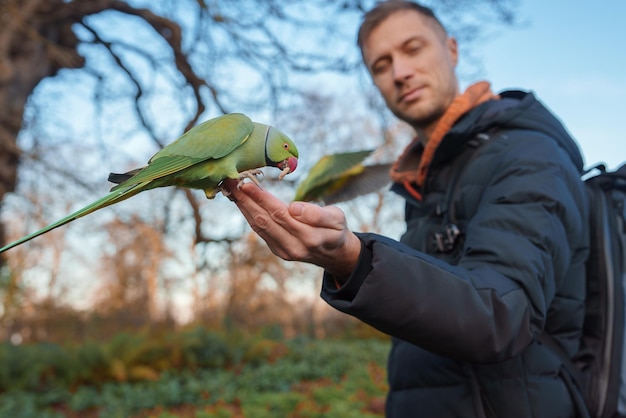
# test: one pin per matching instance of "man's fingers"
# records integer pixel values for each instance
(266, 214)
(261, 209)
(301, 231)
(316, 216)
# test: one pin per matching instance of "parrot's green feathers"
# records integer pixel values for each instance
(228, 146)
(340, 177)
(212, 139)
(367, 179)
(328, 169)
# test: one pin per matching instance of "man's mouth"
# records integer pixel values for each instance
(411, 95)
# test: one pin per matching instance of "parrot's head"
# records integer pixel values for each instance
(280, 151)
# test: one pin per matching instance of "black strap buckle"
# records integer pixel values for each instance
(447, 238)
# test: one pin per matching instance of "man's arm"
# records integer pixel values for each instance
(299, 231)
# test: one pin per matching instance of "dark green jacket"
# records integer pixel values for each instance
(465, 323)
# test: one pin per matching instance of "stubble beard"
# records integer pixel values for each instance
(421, 120)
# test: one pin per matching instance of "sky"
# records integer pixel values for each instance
(572, 55)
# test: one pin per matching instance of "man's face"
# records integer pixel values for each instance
(412, 63)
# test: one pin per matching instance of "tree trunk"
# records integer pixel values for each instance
(31, 49)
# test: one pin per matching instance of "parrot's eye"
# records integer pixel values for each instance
(286, 145)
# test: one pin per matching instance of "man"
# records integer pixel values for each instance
(466, 310)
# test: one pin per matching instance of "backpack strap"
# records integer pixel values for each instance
(448, 238)
(603, 334)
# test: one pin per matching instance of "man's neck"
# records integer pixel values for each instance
(423, 133)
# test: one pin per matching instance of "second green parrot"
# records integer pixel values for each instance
(340, 177)
(229, 146)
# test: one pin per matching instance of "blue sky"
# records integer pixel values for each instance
(572, 54)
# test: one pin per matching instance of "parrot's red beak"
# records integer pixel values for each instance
(287, 166)
(292, 163)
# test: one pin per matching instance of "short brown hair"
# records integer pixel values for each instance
(383, 9)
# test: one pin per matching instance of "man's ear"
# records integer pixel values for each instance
(453, 49)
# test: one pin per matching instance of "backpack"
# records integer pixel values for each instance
(596, 376)
(599, 368)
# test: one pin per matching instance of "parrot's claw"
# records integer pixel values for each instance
(249, 174)
(224, 191)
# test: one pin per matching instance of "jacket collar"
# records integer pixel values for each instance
(412, 166)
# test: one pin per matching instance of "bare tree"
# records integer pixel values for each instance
(132, 274)
(83, 79)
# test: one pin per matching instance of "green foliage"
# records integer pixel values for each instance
(218, 374)
(200, 347)
(36, 367)
(270, 404)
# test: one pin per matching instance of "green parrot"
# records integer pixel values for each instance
(339, 177)
(229, 146)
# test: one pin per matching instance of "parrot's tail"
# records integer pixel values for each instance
(109, 199)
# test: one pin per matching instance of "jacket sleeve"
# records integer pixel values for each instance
(517, 249)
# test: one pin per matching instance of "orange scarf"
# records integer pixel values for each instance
(404, 170)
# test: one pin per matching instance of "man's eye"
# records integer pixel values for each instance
(413, 48)
(380, 67)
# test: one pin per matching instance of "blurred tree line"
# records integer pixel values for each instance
(92, 86)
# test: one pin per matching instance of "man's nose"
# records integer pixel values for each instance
(402, 69)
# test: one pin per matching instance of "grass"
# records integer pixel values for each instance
(261, 378)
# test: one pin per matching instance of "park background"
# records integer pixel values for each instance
(167, 305)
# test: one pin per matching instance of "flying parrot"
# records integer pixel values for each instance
(229, 146)
(339, 177)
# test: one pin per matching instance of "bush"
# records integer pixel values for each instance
(226, 373)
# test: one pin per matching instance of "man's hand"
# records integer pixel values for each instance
(300, 231)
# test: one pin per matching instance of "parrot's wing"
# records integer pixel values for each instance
(371, 179)
(109, 199)
(212, 139)
(329, 168)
